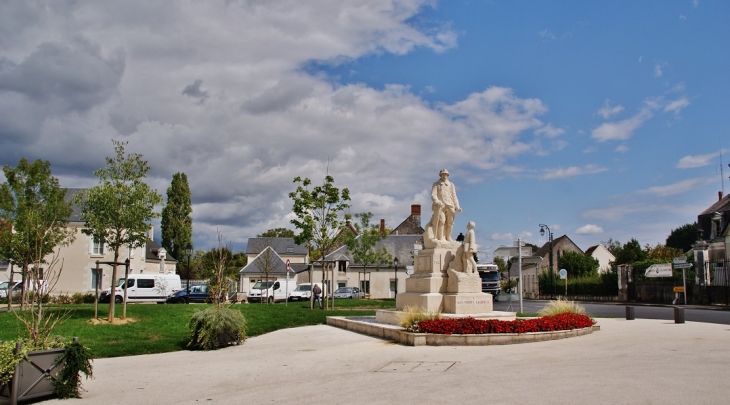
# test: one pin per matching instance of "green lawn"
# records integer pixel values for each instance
(164, 328)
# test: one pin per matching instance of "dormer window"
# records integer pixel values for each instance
(290, 249)
(716, 225)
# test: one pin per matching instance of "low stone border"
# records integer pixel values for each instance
(367, 326)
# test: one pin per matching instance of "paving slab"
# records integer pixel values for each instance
(626, 362)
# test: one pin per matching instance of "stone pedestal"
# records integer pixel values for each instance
(468, 303)
(426, 286)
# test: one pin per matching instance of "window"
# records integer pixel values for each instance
(290, 249)
(97, 246)
(145, 283)
(94, 278)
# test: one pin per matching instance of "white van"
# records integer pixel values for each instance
(143, 287)
(273, 291)
(304, 291)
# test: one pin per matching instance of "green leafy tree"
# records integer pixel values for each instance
(34, 205)
(119, 209)
(277, 233)
(662, 253)
(577, 264)
(612, 246)
(319, 214)
(362, 246)
(501, 264)
(177, 224)
(630, 252)
(683, 237)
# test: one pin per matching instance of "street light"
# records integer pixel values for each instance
(395, 266)
(188, 253)
(550, 233)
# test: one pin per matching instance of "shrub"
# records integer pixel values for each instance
(449, 326)
(561, 306)
(411, 316)
(77, 360)
(216, 327)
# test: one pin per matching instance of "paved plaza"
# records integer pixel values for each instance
(626, 362)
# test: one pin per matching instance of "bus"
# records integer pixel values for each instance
(489, 273)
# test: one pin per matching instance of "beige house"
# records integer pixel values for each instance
(530, 272)
(269, 255)
(77, 261)
(604, 257)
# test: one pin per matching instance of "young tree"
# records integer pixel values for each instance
(578, 264)
(362, 246)
(34, 205)
(177, 224)
(318, 214)
(119, 209)
(683, 237)
(277, 233)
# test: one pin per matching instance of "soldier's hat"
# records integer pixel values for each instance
(444, 171)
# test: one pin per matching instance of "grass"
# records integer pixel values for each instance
(164, 328)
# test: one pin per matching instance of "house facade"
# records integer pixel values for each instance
(531, 272)
(604, 257)
(77, 262)
(267, 257)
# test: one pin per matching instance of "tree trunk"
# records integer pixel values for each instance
(113, 291)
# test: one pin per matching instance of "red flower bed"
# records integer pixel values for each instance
(468, 326)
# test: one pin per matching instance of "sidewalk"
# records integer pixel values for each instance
(640, 361)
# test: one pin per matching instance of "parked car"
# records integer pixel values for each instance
(348, 292)
(147, 287)
(198, 293)
(5, 285)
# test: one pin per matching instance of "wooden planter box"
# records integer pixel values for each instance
(33, 378)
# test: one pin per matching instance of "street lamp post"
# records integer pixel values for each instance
(395, 267)
(188, 253)
(550, 234)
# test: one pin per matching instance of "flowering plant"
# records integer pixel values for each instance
(446, 326)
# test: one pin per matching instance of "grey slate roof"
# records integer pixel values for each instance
(280, 246)
(400, 246)
(720, 206)
(76, 213)
(151, 249)
(278, 264)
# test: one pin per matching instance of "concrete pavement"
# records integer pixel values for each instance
(626, 362)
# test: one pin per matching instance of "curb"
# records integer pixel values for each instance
(366, 326)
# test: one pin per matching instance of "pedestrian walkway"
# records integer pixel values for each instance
(626, 362)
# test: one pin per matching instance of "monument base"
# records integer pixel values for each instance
(427, 302)
(468, 303)
(393, 316)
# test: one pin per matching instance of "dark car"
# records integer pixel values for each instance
(198, 293)
(348, 292)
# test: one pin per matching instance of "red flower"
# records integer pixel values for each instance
(469, 326)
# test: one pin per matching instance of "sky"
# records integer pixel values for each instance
(603, 120)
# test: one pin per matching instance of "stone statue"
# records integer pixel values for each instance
(470, 247)
(445, 205)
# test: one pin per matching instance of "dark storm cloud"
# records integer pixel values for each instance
(64, 78)
(193, 90)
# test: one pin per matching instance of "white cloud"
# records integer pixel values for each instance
(560, 172)
(621, 130)
(217, 90)
(677, 106)
(607, 111)
(658, 71)
(546, 34)
(690, 161)
(503, 236)
(675, 188)
(621, 149)
(589, 229)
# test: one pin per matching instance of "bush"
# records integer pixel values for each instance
(411, 316)
(216, 327)
(566, 321)
(561, 306)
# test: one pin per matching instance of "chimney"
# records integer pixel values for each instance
(719, 196)
(382, 225)
(416, 213)
(152, 232)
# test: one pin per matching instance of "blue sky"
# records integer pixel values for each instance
(601, 119)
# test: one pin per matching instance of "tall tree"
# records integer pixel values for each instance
(34, 205)
(362, 246)
(177, 224)
(578, 264)
(319, 214)
(683, 237)
(118, 210)
(277, 233)
(631, 252)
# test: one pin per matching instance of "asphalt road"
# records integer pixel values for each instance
(693, 313)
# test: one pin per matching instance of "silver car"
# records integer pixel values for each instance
(348, 292)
